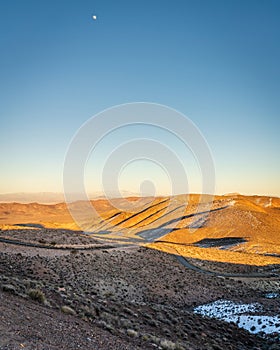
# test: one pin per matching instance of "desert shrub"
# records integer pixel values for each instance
(167, 345)
(107, 326)
(38, 295)
(132, 333)
(109, 318)
(155, 339)
(125, 322)
(128, 311)
(145, 337)
(67, 310)
(179, 347)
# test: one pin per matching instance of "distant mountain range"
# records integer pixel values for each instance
(54, 197)
(40, 197)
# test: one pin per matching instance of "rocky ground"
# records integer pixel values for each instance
(116, 298)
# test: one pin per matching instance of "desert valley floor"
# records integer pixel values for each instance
(165, 276)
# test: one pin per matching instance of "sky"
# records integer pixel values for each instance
(215, 61)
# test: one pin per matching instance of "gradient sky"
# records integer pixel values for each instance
(216, 61)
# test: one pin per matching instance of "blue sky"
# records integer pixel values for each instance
(216, 61)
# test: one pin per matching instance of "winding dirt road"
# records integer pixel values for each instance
(179, 257)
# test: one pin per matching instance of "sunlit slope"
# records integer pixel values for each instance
(47, 215)
(254, 219)
(178, 224)
(241, 217)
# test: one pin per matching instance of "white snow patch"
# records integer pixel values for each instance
(222, 308)
(256, 324)
(272, 295)
(238, 313)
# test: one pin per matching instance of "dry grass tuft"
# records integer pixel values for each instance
(37, 295)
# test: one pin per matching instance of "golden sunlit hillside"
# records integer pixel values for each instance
(233, 228)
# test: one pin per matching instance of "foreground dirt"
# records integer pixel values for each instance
(29, 325)
(117, 298)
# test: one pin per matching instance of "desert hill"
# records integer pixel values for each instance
(231, 228)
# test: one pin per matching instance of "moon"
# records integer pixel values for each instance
(94, 17)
